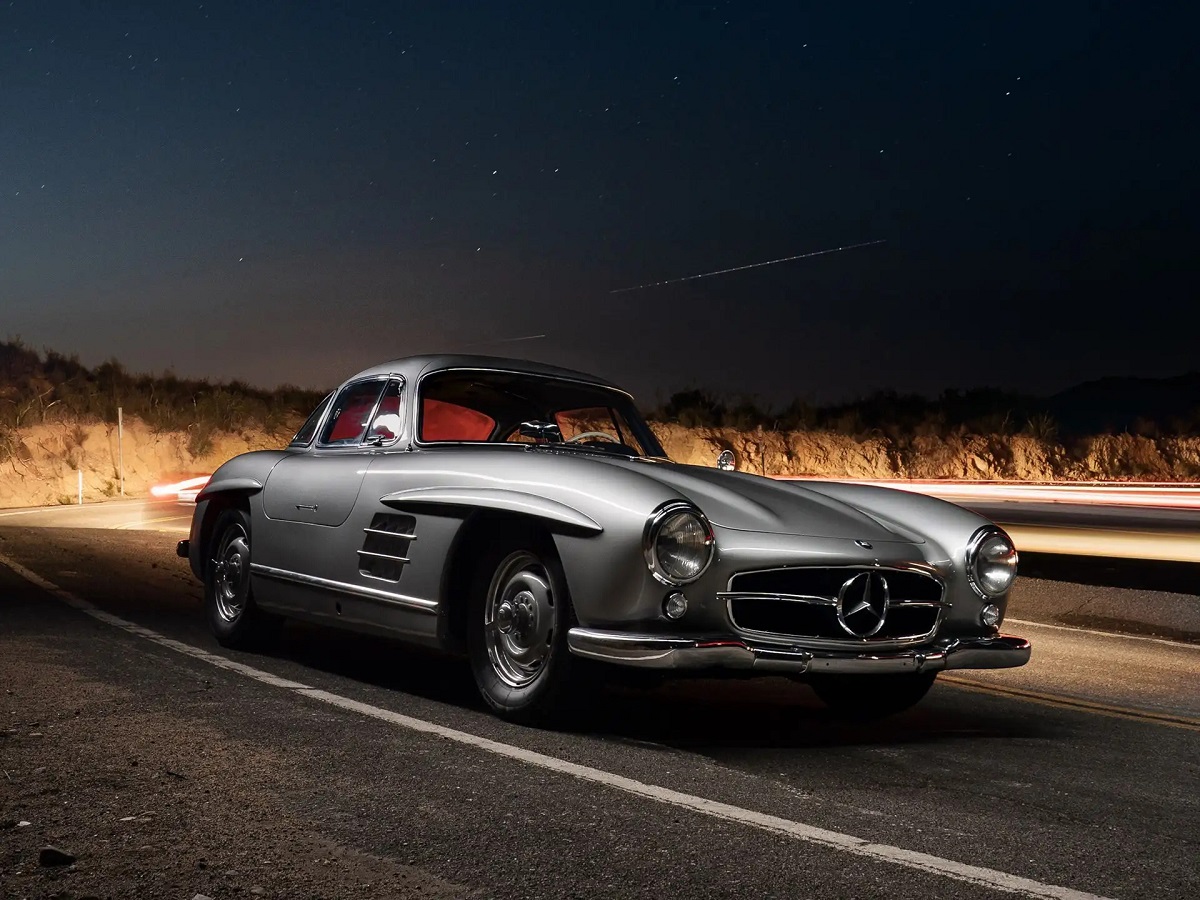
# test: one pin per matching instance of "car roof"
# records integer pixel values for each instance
(414, 367)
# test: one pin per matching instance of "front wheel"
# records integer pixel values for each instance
(871, 696)
(232, 614)
(517, 633)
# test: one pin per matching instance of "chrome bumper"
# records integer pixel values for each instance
(652, 651)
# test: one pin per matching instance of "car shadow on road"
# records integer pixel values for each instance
(777, 712)
(691, 713)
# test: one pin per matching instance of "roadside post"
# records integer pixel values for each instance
(121, 449)
(80, 471)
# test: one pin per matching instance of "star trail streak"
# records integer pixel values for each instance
(757, 265)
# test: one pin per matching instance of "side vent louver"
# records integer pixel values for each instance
(385, 548)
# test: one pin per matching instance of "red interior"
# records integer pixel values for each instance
(350, 423)
(442, 421)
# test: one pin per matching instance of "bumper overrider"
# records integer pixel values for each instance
(655, 651)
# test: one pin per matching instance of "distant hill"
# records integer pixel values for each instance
(1117, 404)
(38, 388)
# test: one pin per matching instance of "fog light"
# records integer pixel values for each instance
(990, 615)
(675, 605)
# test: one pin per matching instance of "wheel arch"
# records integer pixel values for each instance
(215, 504)
(482, 529)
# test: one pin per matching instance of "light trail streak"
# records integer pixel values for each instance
(1148, 495)
(184, 491)
(769, 262)
(1116, 544)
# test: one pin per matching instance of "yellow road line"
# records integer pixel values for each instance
(1075, 703)
(130, 526)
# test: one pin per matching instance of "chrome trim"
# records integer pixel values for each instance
(811, 599)
(414, 603)
(846, 643)
(373, 555)
(655, 651)
(982, 534)
(815, 600)
(317, 444)
(843, 593)
(394, 534)
(324, 407)
(363, 444)
(923, 568)
(650, 538)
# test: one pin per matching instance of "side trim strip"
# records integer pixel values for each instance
(354, 590)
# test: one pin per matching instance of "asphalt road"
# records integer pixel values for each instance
(123, 515)
(343, 766)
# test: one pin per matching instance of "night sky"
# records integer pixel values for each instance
(292, 191)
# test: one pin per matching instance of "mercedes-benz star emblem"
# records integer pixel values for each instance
(862, 604)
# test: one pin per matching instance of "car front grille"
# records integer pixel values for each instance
(877, 606)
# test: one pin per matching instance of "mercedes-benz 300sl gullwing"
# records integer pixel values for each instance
(526, 517)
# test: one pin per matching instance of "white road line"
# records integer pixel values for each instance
(936, 865)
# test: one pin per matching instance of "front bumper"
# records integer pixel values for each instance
(652, 651)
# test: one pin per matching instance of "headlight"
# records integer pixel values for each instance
(991, 562)
(678, 543)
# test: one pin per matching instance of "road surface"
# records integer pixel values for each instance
(342, 766)
(126, 515)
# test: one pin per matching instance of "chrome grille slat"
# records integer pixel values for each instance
(800, 604)
(375, 555)
(790, 598)
(391, 534)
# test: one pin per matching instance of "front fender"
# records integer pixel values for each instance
(246, 472)
(241, 476)
(544, 509)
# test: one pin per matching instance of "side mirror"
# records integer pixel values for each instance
(725, 461)
(546, 432)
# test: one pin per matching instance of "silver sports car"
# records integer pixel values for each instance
(526, 517)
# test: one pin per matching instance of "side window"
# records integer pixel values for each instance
(347, 423)
(385, 427)
(305, 435)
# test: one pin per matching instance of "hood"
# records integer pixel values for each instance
(752, 503)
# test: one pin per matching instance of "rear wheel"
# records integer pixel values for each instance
(229, 600)
(871, 696)
(519, 615)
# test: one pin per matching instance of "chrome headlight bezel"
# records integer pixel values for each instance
(654, 527)
(975, 548)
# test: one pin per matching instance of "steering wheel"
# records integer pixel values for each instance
(604, 435)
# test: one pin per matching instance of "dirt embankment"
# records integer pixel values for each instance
(39, 465)
(1106, 457)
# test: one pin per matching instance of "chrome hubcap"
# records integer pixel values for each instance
(519, 620)
(231, 573)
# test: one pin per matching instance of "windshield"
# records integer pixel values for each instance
(481, 406)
